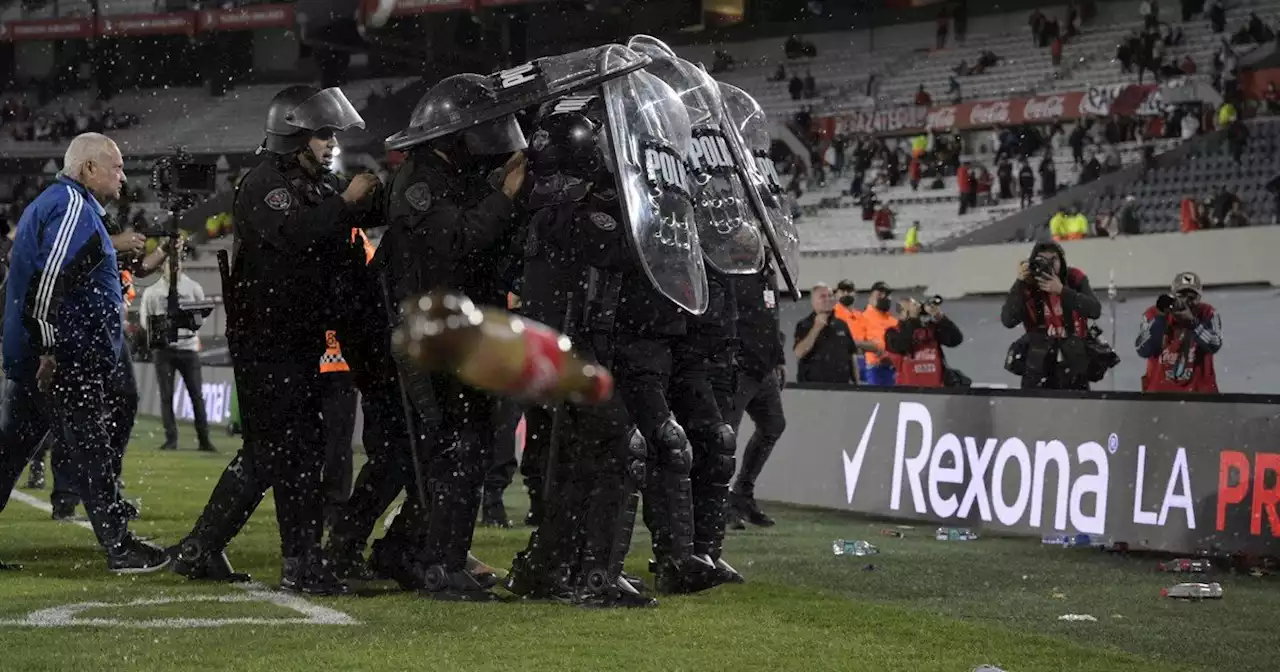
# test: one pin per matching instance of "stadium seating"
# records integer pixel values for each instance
(1160, 192)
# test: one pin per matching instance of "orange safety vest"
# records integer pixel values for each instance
(126, 281)
(332, 360)
(871, 327)
(357, 232)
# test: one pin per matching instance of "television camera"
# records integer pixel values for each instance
(180, 182)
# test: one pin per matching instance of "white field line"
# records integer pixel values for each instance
(65, 615)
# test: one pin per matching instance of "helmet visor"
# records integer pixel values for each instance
(500, 136)
(327, 109)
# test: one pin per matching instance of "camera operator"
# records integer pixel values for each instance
(1053, 302)
(1179, 337)
(182, 356)
(919, 339)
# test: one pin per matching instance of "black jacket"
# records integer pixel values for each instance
(900, 339)
(760, 338)
(292, 240)
(448, 228)
(1077, 295)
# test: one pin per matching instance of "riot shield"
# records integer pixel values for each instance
(649, 134)
(514, 89)
(752, 141)
(728, 228)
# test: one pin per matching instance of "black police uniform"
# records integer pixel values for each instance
(449, 228)
(292, 231)
(702, 356)
(576, 265)
(760, 354)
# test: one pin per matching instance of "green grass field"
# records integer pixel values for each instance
(926, 605)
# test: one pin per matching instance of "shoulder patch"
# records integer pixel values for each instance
(603, 221)
(419, 196)
(278, 199)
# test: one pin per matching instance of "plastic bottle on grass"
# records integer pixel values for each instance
(1198, 566)
(854, 547)
(1194, 591)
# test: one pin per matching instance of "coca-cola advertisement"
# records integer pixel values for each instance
(247, 18)
(178, 23)
(408, 7)
(966, 116)
(47, 29)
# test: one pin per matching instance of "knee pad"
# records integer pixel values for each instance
(673, 452)
(637, 451)
(725, 444)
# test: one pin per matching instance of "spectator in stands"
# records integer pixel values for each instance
(1079, 136)
(914, 172)
(1092, 169)
(1188, 66)
(810, 85)
(944, 24)
(1048, 176)
(1055, 51)
(780, 74)
(1127, 219)
(953, 90)
(912, 243)
(1188, 216)
(825, 350)
(1125, 52)
(1150, 11)
(884, 223)
(964, 181)
(1053, 307)
(1217, 16)
(919, 340)
(1179, 337)
(923, 98)
(796, 87)
(1036, 22)
(1237, 139)
(1073, 21)
(1026, 184)
(1004, 176)
(1058, 225)
(876, 319)
(1220, 205)
(1105, 224)
(793, 47)
(1273, 188)
(1236, 217)
(1272, 99)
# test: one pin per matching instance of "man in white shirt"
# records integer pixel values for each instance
(182, 356)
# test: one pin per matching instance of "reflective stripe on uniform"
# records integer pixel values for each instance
(332, 360)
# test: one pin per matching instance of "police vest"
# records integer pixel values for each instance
(332, 360)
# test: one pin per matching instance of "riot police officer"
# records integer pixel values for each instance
(451, 216)
(576, 264)
(293, 226)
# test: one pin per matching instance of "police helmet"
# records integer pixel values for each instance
(468, 106)
(298, 112)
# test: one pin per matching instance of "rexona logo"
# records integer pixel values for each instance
(1002, 478)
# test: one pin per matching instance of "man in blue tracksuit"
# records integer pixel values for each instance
(63, 332)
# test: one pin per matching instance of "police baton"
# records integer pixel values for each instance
(411, 425)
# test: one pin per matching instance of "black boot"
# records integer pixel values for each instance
(748, 508)
(348, 561)
(683, 577)
(311, 574)
(530, 583)
(598, 592)
(393, 561)
(494, 512)
(64, 510)
(9, 567)
(457, 586)
(189, 560)
(132, 556)
(726, 573)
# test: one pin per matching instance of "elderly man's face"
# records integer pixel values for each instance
(820, 298)
(104, 175)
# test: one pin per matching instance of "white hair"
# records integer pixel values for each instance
(84, 148)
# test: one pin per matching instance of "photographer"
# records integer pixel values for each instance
(919, 339)
(1053, 302)
(182, 356)
(1179, 337)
